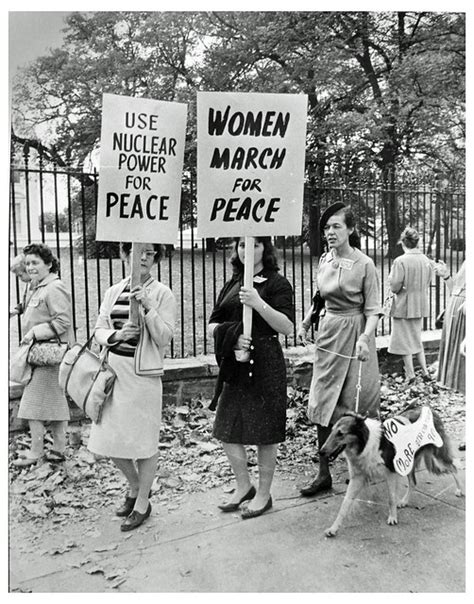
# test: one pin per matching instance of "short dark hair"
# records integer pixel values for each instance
(45, 253)
(350, 222)
(126, 248)
(269, 258)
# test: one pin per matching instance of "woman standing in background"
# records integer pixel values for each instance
(409, 280)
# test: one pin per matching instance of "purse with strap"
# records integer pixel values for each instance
(46, 353)
(87, 379)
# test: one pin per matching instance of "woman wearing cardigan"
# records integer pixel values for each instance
(409, 280)
(129, 429)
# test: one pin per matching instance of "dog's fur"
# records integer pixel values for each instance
(370, 454)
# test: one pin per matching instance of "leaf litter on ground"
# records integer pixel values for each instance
(190, 459)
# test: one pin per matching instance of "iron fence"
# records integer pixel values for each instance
(56, 205)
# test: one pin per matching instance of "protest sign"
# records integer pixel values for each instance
(251, 152)
(141, 163)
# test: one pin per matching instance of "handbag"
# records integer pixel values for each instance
(20, 369)
(47, 352)
(318, 305)
(439, 321)
(87, 379)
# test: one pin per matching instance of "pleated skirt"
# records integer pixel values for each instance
(452, 364)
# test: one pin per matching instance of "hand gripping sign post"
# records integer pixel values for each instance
(251, 152)
(141, 163)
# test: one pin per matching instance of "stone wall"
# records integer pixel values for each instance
(195, 377)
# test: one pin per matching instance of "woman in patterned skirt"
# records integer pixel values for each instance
(348, 284)
(129, 429)
(251, 395)
(46, 314)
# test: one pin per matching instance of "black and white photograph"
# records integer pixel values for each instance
(236, 352)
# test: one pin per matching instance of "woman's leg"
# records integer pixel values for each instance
(267, 455)
(129, 470)
(237, 456)
(408, 364)
(422, 361)
(146, 475)
(37, 437)
(58, 428)
(323, 480)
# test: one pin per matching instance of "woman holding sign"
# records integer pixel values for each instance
(251, 393)
(348, 284)
(129, 429)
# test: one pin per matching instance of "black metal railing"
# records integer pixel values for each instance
(56, 205)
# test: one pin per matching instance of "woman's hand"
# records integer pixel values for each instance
(128, 332)
(362, 349)
(301, 335)
(139, 293)
(28, 337)
(441, 269)
(243, 342)
(250, 296)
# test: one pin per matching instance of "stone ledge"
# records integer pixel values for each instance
(194, 377)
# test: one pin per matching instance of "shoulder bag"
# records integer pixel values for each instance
(47, 352)
(87, 379)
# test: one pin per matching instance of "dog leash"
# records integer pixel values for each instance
(359, 376)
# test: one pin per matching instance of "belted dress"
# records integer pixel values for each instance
(350, 289)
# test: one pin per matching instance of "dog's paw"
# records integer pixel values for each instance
(330, 532)
(458, 493)
(392, 520)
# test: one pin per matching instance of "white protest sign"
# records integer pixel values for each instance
(407, 438)
(141, 163)
(251, 156)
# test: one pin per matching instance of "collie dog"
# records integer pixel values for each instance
(371, 455)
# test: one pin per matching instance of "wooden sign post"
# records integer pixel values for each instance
(248, 282)
(251, 153)
(141, 163)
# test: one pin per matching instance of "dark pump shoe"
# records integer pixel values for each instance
(254, 513)
(135, 519)
(232, 507)
(127, 507)
(317, 486)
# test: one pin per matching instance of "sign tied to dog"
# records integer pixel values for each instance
(407, 438)
(141, 162)
(251, 152)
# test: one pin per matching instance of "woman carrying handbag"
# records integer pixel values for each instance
(129, 428)
(47, 327)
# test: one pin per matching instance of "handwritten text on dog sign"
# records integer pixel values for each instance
(141, 162)
(251, 152)
(407, 438)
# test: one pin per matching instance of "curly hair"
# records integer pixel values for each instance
(126, 248)
(269, 259)
(45, 253)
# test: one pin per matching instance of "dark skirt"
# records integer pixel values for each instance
(253, 412)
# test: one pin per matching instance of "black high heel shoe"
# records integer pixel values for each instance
(232, 507)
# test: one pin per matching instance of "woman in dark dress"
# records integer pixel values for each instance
(251, 394)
